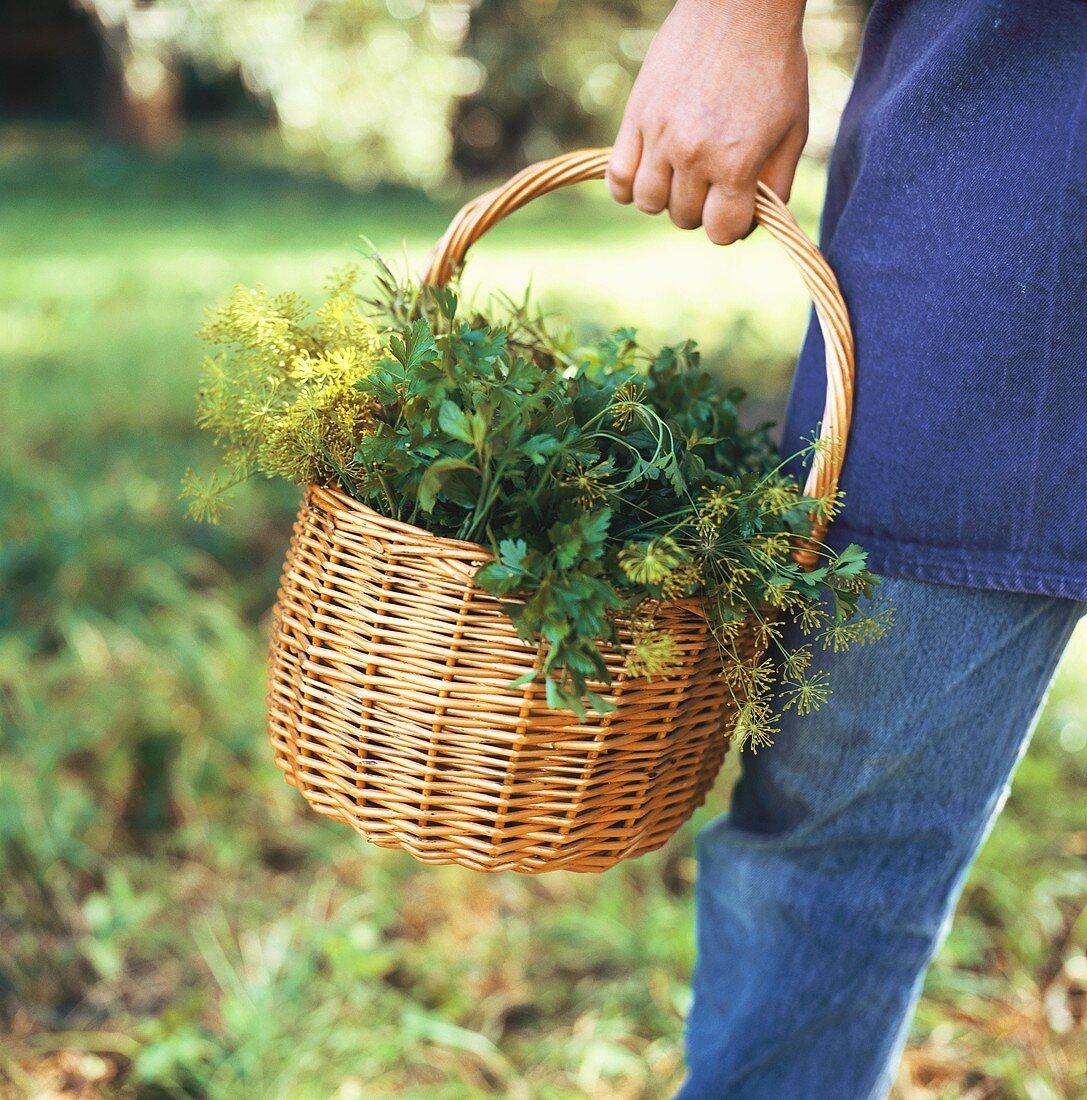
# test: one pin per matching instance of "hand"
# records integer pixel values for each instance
(721, 102)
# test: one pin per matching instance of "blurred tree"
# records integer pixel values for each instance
(406, 90)
(557, 76)
(142, 91)
(366, 87)
(50, 54)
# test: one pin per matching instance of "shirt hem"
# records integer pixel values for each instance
(996, 571)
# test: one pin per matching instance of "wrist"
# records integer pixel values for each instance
(770, 16)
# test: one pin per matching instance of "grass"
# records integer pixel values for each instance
(173, 922)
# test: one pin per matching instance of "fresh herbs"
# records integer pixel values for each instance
(605, 481)
(279, 393)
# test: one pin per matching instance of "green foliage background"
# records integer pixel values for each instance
(172, 921)
(415, 91)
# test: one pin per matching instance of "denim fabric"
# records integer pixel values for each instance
(824, 892)
(956, 221)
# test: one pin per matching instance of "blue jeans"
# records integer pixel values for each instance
(825, 891)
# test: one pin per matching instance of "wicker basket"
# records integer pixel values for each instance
(388, 707)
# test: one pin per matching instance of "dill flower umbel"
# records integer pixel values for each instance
(279, 390)
(651, 652)
(650, 562)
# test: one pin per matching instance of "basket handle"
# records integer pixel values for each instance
(483, 212)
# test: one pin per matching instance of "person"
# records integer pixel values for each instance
(956, 221)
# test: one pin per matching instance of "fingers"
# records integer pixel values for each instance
(686, 198)
(652, 182)
(636, 174)
(780, 167)
(729, 212)
(721, 201)
(623, 164)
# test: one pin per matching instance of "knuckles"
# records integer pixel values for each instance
(737, 171)
(730, 161)
(689, 152)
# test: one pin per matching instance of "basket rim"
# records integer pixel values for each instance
(329, 498)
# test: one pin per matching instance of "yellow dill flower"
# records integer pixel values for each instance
(625, 403)
(771, 546)
(588, 482)
(719, 505)
(733, 583)
(752, 677)
(651, 651)
(795, 664)
(826, 507)
(687, 578)
(279, 393)
(756, 725)
(778, 497)
(812, 617)
(766, 631)
(776, 594)
(650, 562)
(806, 694)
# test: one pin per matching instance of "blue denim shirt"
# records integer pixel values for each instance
(956, 221)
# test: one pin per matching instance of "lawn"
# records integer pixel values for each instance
(174, 922)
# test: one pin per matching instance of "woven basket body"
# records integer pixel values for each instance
(389, 710)
(388, 704)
